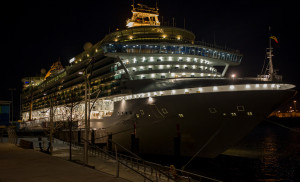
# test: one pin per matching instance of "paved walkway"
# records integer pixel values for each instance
(17, 164)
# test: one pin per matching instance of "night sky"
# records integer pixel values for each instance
(34, 34)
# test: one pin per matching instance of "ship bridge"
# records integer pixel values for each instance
(143, 15)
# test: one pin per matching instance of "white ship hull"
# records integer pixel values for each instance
(208, 123)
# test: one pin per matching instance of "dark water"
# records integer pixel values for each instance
(271, 152)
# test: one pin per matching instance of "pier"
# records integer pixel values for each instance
(29, 158)
(19, 164)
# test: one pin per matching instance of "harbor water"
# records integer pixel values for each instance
(271, 152)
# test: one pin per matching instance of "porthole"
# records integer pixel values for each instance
(212, 110)
(142, 112)
(164, 110)
(240, 108)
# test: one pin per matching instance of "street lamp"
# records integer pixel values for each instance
(12, 102)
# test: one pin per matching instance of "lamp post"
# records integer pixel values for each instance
(86, 120)
(87, 109)
(12, 102)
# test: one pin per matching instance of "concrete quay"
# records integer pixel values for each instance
(17, 164)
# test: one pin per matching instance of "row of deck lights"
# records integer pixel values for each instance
(188, 91)
(170, 58)
(175, 75)
(130, 37)
(150, 95)
(160, 67)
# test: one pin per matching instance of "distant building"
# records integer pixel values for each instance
(4, 112)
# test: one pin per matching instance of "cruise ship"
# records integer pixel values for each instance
(157, 88)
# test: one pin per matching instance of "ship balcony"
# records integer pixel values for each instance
(222, 57)
(150, 33)
(173, 73)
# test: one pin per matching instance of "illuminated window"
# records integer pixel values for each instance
(233, 114)
(212, 110)
(137, 115)
(180, 115)
(142, 112)
(199, 90)
(249, 113)
(240, 108)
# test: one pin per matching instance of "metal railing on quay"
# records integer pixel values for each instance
(148, 170)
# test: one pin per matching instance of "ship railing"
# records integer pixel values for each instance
(147, 170)
(206, 44)
(126, 161)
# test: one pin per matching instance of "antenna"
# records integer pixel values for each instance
(270, 55)
(173, 21)
(133, 4)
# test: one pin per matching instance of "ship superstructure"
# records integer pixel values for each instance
(160, 85)
(143, 16)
